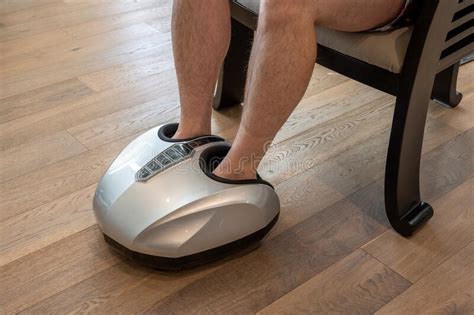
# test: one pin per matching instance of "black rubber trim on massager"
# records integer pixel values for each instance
(210, 255)
(210, 159)
(166, 132)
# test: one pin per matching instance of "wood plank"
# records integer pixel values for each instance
(248, 284)
(465, 85)
(362, 164)
(448, 289)
(328, 104)
(357, 284)
(35, 229)
(466, 79)
(75, 50)
(31, 43)
(358, 172)
(33, 13)
(160, 24)
(117, 290)
(75, 32)
(322, 79)
(440, 172)
(20, 82)
(42, 186)
(126, 122)
(415, 257)
(361, 176)
(448, 166)
(351, 172)
(88, 13)
(130, 72)
(85, 297)
(320, 143)
(52, 269)
(7, 6)
(461, 117)
(98, 44)
(34, 155)
(44, 98)
(110, 23)
(10, 62)
(301, 197)
(58, 118)
(138, 119)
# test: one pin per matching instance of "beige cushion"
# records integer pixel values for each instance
(383, 49)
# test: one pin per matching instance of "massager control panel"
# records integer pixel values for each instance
(172, 156)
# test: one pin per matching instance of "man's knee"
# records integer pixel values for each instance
(274, 13)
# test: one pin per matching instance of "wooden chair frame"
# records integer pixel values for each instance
(442, 35)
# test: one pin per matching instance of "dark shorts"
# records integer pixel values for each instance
(405, 17)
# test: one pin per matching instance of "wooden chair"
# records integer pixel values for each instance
(412, 63)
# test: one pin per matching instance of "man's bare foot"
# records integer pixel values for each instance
(243, 158)
(235, 169)
(191, 132)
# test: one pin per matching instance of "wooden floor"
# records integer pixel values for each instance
(81, 78)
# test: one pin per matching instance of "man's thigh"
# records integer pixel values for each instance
(355, 15)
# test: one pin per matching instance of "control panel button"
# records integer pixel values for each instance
(173, 154)
(153, 166)
(143, 174)
(183, 149)
(163, 159)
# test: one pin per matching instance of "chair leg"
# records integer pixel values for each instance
(444, 89)
(405, 209)
(231, 83)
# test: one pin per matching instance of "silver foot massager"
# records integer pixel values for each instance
(159, 202)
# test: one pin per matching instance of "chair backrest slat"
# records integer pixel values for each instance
(462, 4)
(460, 36)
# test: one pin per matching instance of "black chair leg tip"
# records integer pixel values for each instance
(452, 103)
(414, 219)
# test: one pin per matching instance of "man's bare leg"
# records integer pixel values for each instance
(281, 64)
(201, 36)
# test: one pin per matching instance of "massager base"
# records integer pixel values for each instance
(210, 255)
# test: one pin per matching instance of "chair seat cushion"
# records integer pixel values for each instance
(382, 49)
